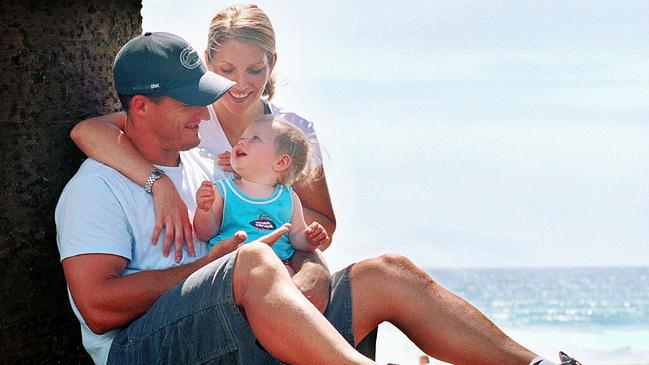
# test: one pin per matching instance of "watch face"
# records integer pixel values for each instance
(156, 174)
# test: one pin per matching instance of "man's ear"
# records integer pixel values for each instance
(138, 104)
(282, 163)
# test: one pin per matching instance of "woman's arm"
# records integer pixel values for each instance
(316, 204)
(102, 139)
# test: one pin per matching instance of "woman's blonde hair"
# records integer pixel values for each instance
(245, 23)
(292, 142)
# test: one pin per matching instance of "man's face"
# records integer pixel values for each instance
(175, 124)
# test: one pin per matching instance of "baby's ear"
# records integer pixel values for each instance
(282, 163)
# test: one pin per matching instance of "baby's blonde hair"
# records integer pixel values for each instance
(292, 142)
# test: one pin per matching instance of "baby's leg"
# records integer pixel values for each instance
(312, 277)
(289, 267)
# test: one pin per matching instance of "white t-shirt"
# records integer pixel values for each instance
(102, 211)
(214, 142)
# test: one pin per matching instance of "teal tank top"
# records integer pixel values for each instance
(257, 217)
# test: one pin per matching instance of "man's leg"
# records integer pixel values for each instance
(282, 319)
(391, 288)
(314, 281)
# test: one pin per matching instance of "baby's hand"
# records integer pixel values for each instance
(224, 161)
(205, 196)
(316, 235)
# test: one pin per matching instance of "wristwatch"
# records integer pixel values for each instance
(155, 175)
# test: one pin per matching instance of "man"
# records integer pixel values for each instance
(115, 277)
(137, 306)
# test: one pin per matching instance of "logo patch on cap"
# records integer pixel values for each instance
(189, 58)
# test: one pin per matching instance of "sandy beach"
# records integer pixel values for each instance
(615, 347)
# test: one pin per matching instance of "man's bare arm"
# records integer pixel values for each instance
(108, 300)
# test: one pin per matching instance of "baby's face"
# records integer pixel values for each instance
(254, 155)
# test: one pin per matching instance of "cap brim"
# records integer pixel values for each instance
(204, 91)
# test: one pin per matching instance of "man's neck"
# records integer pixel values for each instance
(149, 147)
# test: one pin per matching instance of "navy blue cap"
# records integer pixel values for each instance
(164, 64)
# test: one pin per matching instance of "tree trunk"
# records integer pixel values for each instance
(56, 60)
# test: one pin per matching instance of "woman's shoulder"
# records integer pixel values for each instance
(303, 124)
(292, 117)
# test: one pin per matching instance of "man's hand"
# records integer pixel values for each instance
(205, 196)
(316, 235)
(272, 237)
(228, 245)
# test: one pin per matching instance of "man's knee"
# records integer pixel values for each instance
(394, 261)
(388, 263)
(391, 267)
(257, 259)
(255, 270)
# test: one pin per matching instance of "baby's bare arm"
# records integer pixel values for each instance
(209, 211)
(303, 237)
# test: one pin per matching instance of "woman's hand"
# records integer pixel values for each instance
(172, 215)
(224, 161)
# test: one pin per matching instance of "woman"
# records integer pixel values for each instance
(241, 47)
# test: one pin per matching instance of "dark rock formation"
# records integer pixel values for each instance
(56, 61)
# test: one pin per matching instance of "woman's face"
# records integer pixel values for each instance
(247, 65)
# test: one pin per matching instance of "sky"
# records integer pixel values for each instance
(467, 133)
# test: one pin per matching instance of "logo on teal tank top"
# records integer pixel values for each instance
(263, 223)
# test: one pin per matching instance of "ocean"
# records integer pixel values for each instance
(597, 315)
(456, 186)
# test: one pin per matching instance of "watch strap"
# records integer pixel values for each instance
(154, 176)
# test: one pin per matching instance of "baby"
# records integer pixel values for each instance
(270, 156)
